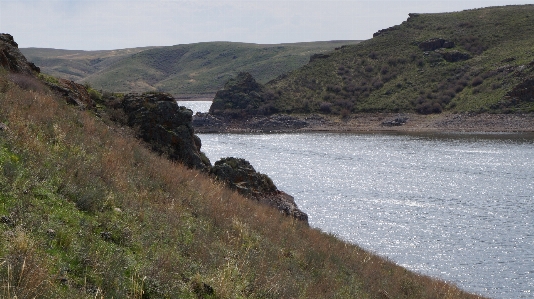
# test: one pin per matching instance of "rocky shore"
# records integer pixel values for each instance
(404, 122)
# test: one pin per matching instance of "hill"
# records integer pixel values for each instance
(190, 69)
(89, 211)
(477, 60)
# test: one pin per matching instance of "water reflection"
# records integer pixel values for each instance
(455, 206)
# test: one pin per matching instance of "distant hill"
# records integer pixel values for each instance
(479, 60)
(200, 68)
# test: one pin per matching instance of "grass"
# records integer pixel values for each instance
(390, 72)
(86, 211)
(201, 68)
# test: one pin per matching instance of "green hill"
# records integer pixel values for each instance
(200, 68)
(89, 211)
(478, 60)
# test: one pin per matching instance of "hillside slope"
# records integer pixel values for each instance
(200, 68)
(476, 60)
(88, 211)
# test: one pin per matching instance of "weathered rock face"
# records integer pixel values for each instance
(166, 126)
(74, 93)
(239, 175)
(12, 59)
(241, 96)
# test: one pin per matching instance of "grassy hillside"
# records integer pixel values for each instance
(484, 61)
(86, 211)
(200, 68)
(75, 64)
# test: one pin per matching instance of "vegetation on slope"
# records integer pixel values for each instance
(471, 61)
(200, 68)
(86, 211)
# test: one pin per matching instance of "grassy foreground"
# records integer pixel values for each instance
(86, 211)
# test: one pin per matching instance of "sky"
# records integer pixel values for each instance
(119, 24)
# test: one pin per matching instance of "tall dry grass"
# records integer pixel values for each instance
(91, 212)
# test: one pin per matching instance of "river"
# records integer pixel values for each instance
(459, 207)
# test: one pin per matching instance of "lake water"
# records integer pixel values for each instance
(455, 206)
(196, 106)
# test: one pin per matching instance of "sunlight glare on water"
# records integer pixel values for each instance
(457, 207)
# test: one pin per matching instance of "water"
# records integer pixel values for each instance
(196, 106)
(457, 207)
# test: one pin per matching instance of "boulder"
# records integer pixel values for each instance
(164, 125)
(240, 96)
(74, 93)
(239, 175)
(12, 59)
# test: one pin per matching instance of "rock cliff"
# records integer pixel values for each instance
(242, 96)
(158, 120)
(239, 175)
(12, 59)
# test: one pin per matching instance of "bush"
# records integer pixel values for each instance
(325, 107)
(27, 82)
(477, 81)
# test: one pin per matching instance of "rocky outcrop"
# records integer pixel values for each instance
(240, 97)
(74, 93)
(435, 43)
(397, 121)
(158, 120)
(12, 59)
(239, 175)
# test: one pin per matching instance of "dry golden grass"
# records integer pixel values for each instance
(90, 212)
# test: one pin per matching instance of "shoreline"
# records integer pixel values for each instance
(369, 122)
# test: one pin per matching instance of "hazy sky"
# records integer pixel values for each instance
(116, 24)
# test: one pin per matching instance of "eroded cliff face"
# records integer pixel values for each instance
(167, 127)
(12, 59)
(241, 176)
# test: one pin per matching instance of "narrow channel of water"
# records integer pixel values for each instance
(458, 207)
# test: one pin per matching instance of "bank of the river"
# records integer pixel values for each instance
(403, 122)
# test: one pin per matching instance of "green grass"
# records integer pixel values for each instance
(200, 68)
(87, 211)
(391, 73)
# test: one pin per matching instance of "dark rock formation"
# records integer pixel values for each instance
(239, 175)
(74, 93)
(398, 121)
(167, 127)
(318, 56)
(435, 43)
(241, 96)
(12, 59)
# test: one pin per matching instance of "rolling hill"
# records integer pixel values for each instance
(190, 69)
(479, 60)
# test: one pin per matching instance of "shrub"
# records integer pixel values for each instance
(477, 81)
(27, 82)
(325, 107)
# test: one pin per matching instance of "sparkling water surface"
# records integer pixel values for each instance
(196, 106)
(459, 207)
